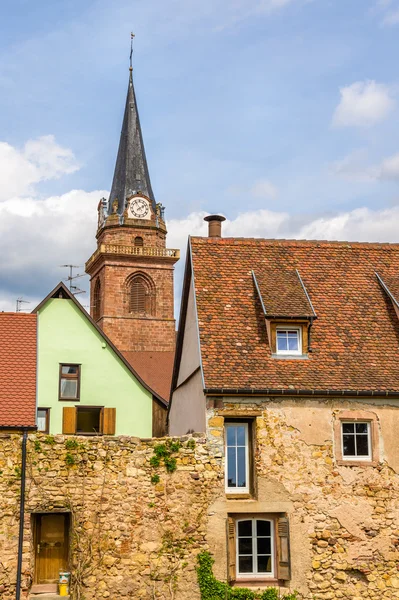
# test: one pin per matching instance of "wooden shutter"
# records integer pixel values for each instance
(108, 421)
(69, 419)
(231, 549)
(283, 545)
(137, 297)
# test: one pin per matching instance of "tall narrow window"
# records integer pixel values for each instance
(43, 420)
(237, 463)
(97, 300)
(69, 382)
(255, 548)
(141, 295)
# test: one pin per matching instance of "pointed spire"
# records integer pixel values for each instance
(131, 171)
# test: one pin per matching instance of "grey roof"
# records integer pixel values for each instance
(131, 171)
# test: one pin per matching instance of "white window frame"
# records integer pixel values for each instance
(237, 490)
(290, 352)
(255, 574)
(356, 457)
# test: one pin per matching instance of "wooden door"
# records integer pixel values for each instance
(51, 546)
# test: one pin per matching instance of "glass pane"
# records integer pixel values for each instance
(245, 528)
(244, 545)
(263, 527)
(41, 420)
(362, 445)
(349, 445)
(264, 564)
(231, 467)
(231, 436)
(281, 341)
(69, 388)
(361, 427)
(69, 369)
(245, 564)
(293, 340)
(241, 476)
(264, 546)
(241, 435)
(348, 428)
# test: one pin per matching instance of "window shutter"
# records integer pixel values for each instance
(137, 297)
(69, 419)
(108, 421)
(231, 549)
(283, 543)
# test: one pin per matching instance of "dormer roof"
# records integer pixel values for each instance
(282, 293)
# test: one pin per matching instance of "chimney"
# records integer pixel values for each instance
(215, 225)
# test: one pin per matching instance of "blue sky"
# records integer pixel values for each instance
(281, 114)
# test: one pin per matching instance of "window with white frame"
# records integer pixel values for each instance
(237, 459)
(255, 548)
(356, 440)
(288, 340)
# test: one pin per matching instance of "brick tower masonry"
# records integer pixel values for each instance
(131, 272)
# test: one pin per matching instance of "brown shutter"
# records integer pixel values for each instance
(231, 549)
(283, 545)
(69, 419)
(108, 421)
(137, 297)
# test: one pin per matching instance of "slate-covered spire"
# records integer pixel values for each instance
(131, 171)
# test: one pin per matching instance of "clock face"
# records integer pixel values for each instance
(139, 208)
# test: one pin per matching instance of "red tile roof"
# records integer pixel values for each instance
(18, 349)
(282, 292)
(155, 368)
(355, 338)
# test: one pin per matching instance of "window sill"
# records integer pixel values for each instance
(237, 496)
(357, 463)
(255, 581)
(291, 356)
(68, 399)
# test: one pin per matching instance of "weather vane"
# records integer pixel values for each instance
(131, 49)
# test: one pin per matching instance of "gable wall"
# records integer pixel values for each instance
(66, 336)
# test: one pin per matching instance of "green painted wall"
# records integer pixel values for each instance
(66, 336)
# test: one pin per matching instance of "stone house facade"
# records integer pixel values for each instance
(287, 357)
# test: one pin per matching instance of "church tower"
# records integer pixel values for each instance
(131, 272)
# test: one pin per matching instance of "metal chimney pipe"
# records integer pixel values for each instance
(215, 225)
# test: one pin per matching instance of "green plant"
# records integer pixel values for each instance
(69, 459)
(37, 446)
(160, 450)
(191, 444)
(49, 439)
(71, 444)
(155, 461)
(170, 464)
(212, 589)
(18, 471)
(174, 446)
(155, 479)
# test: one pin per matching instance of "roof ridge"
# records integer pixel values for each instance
(288, 241)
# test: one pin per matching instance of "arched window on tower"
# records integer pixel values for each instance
(141, 295)
(138, 241)
(97, 300)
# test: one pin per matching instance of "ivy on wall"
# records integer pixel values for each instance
(212, 589)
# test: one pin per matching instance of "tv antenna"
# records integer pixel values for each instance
(74, 289)
(19, 303)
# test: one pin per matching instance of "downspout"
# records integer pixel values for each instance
(21, 515)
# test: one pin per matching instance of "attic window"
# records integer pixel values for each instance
(288, 341)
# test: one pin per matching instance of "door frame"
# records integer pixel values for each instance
(35, 516)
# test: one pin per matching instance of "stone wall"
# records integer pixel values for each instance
(344, 520)
(132, 536)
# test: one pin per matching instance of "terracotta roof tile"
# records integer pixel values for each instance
(17, 369)
(155, 368)
(355, 338)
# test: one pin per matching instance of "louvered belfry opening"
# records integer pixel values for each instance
(138, 241)
(97, 300)
(141, 298)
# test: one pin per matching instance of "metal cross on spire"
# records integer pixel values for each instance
(131, 49)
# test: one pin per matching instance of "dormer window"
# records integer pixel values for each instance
(288, 341)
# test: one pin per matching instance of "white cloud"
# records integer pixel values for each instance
(392, 18)
(363, 104)
(355, 167)
(261, 188)
(38, 160)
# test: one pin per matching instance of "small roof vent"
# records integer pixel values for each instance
(215, 225)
